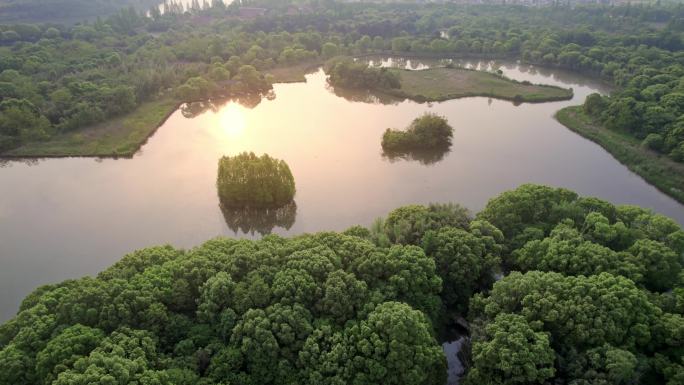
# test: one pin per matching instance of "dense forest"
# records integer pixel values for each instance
(591, 293)
(60, 79)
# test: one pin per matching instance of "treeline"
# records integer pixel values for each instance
(346, 73)
(56, 79)
(591, 293)
(595, 284)
(650, 108)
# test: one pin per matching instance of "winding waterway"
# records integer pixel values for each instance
(65, 218)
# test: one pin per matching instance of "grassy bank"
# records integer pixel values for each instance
(437, 84)
(658, 170)
(295, 73)
(122, 136)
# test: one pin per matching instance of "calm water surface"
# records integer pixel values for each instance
(65, 218)
(454, 364)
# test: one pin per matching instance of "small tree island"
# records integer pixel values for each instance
(250, 181)
(428, 132)
(346, 73)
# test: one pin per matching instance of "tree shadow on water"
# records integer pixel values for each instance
(193, 109)
(363, 96)
(9, 161)
(425, 157)
(259, 220)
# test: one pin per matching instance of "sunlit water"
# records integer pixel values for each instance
(65, 218)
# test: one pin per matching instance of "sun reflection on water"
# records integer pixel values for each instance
(232, 120)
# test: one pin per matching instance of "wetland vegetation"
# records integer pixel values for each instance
(250, 181)
(438, 84)
(542, 285)
(295, 310)
(429, 132)
(655, 167)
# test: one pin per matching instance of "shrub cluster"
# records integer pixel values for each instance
(428, 132)
(346, 73)
(247, 180)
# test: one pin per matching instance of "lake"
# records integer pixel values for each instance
(65, 218)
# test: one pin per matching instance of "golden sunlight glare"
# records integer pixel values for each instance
(232, 120)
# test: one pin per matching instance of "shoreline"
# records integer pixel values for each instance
(664, 174)
(422, 87)
(16, 155)
(169, 110)
(505, 59)
(68, 146)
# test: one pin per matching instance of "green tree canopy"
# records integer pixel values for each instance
(429, 131)
(359, 308)
(246, 180)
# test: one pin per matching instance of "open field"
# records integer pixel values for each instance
(659, 170)
(437, 84)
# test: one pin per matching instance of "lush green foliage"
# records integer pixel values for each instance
(250, 181)
(407, 225)
(21, 121)
(75, 76)
(594, 294)
(590, 293)
(555, 230)
(364, 306)
(650, 107)
(511, 352)
(581, 319)
(275, 311)
(427, 132)
(466, 260)
(346, 73)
